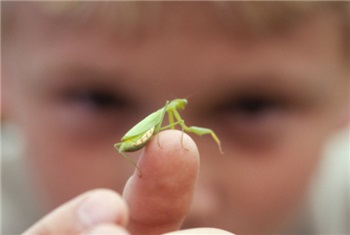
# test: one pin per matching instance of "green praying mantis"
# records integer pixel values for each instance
(138, 136)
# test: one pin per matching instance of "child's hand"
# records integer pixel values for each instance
(97, 211)
(155, 203)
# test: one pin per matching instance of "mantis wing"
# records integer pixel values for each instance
(146, 124)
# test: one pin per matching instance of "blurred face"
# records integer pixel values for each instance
(75, 90)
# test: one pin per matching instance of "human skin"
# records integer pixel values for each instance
(155, 203)
(54, 70)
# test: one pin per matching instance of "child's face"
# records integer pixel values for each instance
(272, 102)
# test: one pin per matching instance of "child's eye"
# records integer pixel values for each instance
(91, 111)
(254, 120)
(254, 107)
(96, 100)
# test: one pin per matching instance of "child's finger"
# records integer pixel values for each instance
(160, 199)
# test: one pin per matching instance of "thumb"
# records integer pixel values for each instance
(96, 210)
(160, 199)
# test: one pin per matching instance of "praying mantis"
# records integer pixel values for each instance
(139, 135)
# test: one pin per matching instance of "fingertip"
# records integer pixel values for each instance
(169, 151)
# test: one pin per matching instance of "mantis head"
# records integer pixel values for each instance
(179, 103)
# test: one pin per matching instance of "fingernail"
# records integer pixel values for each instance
(99, 207)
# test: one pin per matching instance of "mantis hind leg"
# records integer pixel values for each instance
(129, 159)
(194, 129)
(203, 131)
